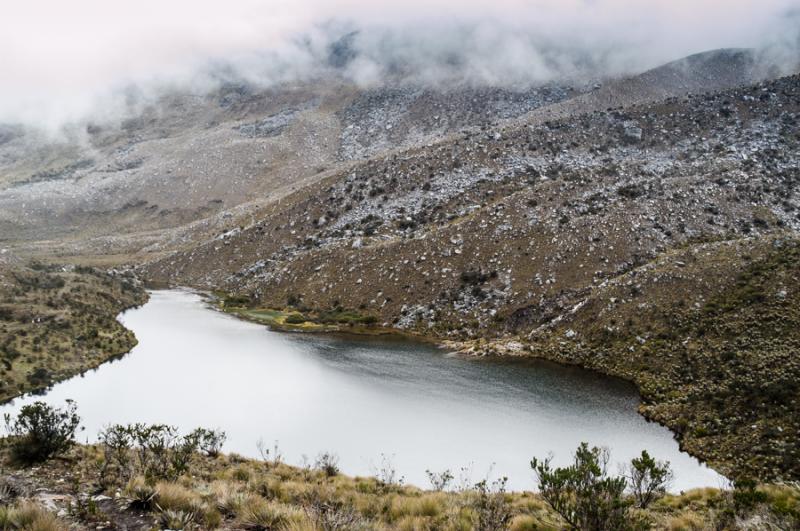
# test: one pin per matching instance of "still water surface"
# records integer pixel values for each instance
(368, 400)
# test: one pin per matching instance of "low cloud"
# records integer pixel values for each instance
(65, 61)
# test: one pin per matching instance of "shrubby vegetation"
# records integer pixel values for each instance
(583, 494)
(57, 321)
(40, 431)
(648, 479)
(154, 451)
(439, 480)
(297, 315)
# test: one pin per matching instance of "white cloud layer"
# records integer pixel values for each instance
(61, 60)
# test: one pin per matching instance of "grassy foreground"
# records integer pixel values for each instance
(56, 322)
(231, 492)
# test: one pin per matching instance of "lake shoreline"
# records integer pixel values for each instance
(394, 393)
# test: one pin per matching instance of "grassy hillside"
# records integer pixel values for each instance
(57, 322)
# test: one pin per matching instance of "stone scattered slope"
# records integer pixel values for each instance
(186, 158)
(539, 211)
(186, 165)
(498, 234)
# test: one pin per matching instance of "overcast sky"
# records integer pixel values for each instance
(61, 58)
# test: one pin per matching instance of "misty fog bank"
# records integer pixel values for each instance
(93, 61)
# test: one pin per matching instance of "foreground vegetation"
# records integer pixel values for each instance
(150, 477)
(56, 322)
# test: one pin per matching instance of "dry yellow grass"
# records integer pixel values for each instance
(230, 492)
(29, 516)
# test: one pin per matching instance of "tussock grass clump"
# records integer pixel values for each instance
(430, 505)
(175, 497)
(687, 521)
(229, 499)
(241, 473)
(784, 500)
(262, 514)
(29, 516)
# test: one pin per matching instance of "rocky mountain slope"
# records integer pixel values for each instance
(185, 158)
(526, 214)
(184, 167)
(501, 233)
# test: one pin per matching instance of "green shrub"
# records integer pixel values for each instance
(209, 441)
(40, 431)
(295, 318)
(583, 494)
(648, 479)
(117, 442)
(439, 480)
(328, 463)
(745, 495)
(160, 452)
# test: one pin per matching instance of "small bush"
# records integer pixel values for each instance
(328, 463)
(439, 480)
(40, 431)
(117, 442)
(494, 512)
(583, 494)
(648, 479)
(745, 495)
(386, 473)
(295, 318)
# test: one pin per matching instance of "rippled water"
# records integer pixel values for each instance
(368, 400)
